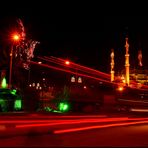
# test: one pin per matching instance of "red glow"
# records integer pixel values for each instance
(78, 121)
(77, 67)
(85, 87)
(85, 71)
(61, 69)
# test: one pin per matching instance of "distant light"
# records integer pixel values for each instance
(84, 87)
(38, 84)
(39, 62)
(73, 79)
(33, 84)
(43, 79)
(15, 37)
(30, 85)
(79, 80)
(120, 88)
(67, 62)
(4, 83)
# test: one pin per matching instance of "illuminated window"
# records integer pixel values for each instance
(79, 80)
(73, 79)
(33, 84)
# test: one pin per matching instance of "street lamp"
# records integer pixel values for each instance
(15, 38)
(67, 62)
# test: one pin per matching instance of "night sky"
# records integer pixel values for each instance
(85, 38)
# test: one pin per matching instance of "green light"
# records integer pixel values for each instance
(63, 107)
(47, 108)
(55, 111)
(13, 91)
(18, 104)
(4, 83)
(1, 100)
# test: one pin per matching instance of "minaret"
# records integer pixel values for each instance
(127, 65)
(112, 65)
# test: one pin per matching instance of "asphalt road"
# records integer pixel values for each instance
(73, 131)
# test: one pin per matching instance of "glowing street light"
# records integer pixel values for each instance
(15, 38)
(67, 62)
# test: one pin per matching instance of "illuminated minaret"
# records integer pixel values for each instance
(112, 65)
(127, 65)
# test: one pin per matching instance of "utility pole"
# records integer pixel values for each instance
(10, 68)
(127, 65)
(15, 38)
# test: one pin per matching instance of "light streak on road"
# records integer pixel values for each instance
(139, 110)
(2, 127)
(49, 119)
(62, 122)
(97, 127)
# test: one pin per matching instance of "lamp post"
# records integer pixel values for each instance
(15, 38)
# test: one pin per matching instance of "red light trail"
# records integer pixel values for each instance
(68, 71)
(97, 127)
(76, 66)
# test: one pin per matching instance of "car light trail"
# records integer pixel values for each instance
(2, 127)
(97, 127)
(68, 71)
(76, 66)
(78, 122)
(138, 110)
(80, 66)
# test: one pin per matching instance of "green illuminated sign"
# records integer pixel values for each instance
(18, 104)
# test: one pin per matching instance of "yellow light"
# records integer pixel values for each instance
(15, 37)
(67, 62)
(120, 88)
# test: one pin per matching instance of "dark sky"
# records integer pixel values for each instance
(85, 38)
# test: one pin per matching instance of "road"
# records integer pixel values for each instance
(73, 130)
